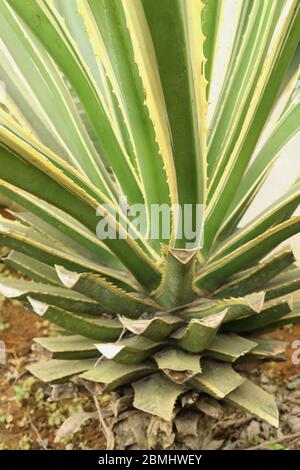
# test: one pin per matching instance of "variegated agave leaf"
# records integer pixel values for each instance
(159, 313)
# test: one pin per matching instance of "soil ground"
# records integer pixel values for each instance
(28, 417)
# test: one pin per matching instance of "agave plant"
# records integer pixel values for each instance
(108, 99)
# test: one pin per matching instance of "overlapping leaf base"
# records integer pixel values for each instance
(164, 352)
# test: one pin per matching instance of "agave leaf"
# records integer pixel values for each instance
(32, 243)
(216, 379)
(132, 350)
(15, 137)
(49, 100)
(49, 27)
(55, 236)
(283, 284)
(44, 180)
(241, 258)
(249, 61)
(89, 48)
(118, 29)
(177, 360)
(260, 275)
(36, 153)
(211, 19)
(58, 370)
(182, 75)
(10, 127)
(266, 89)
(229, 347)
(19, 105)
(281, 210)
(59, 225)
(273, 311)
(176, 287)
(267, 348)
(10, 107)
(68, 347)
(256, 300)
(285, 129)
(31, 268)
(235, 307)
(179, 377)
(200, 309)
(290, 83)
(57, 296)
(291, 318)
(157, 328)
(199, 333)
(145, 59)
(240, 33)
(113, 375)
(157, 395)
(253, 399)
(107, 294)
(101, 329)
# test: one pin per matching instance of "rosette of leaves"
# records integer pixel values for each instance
(108, 99)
